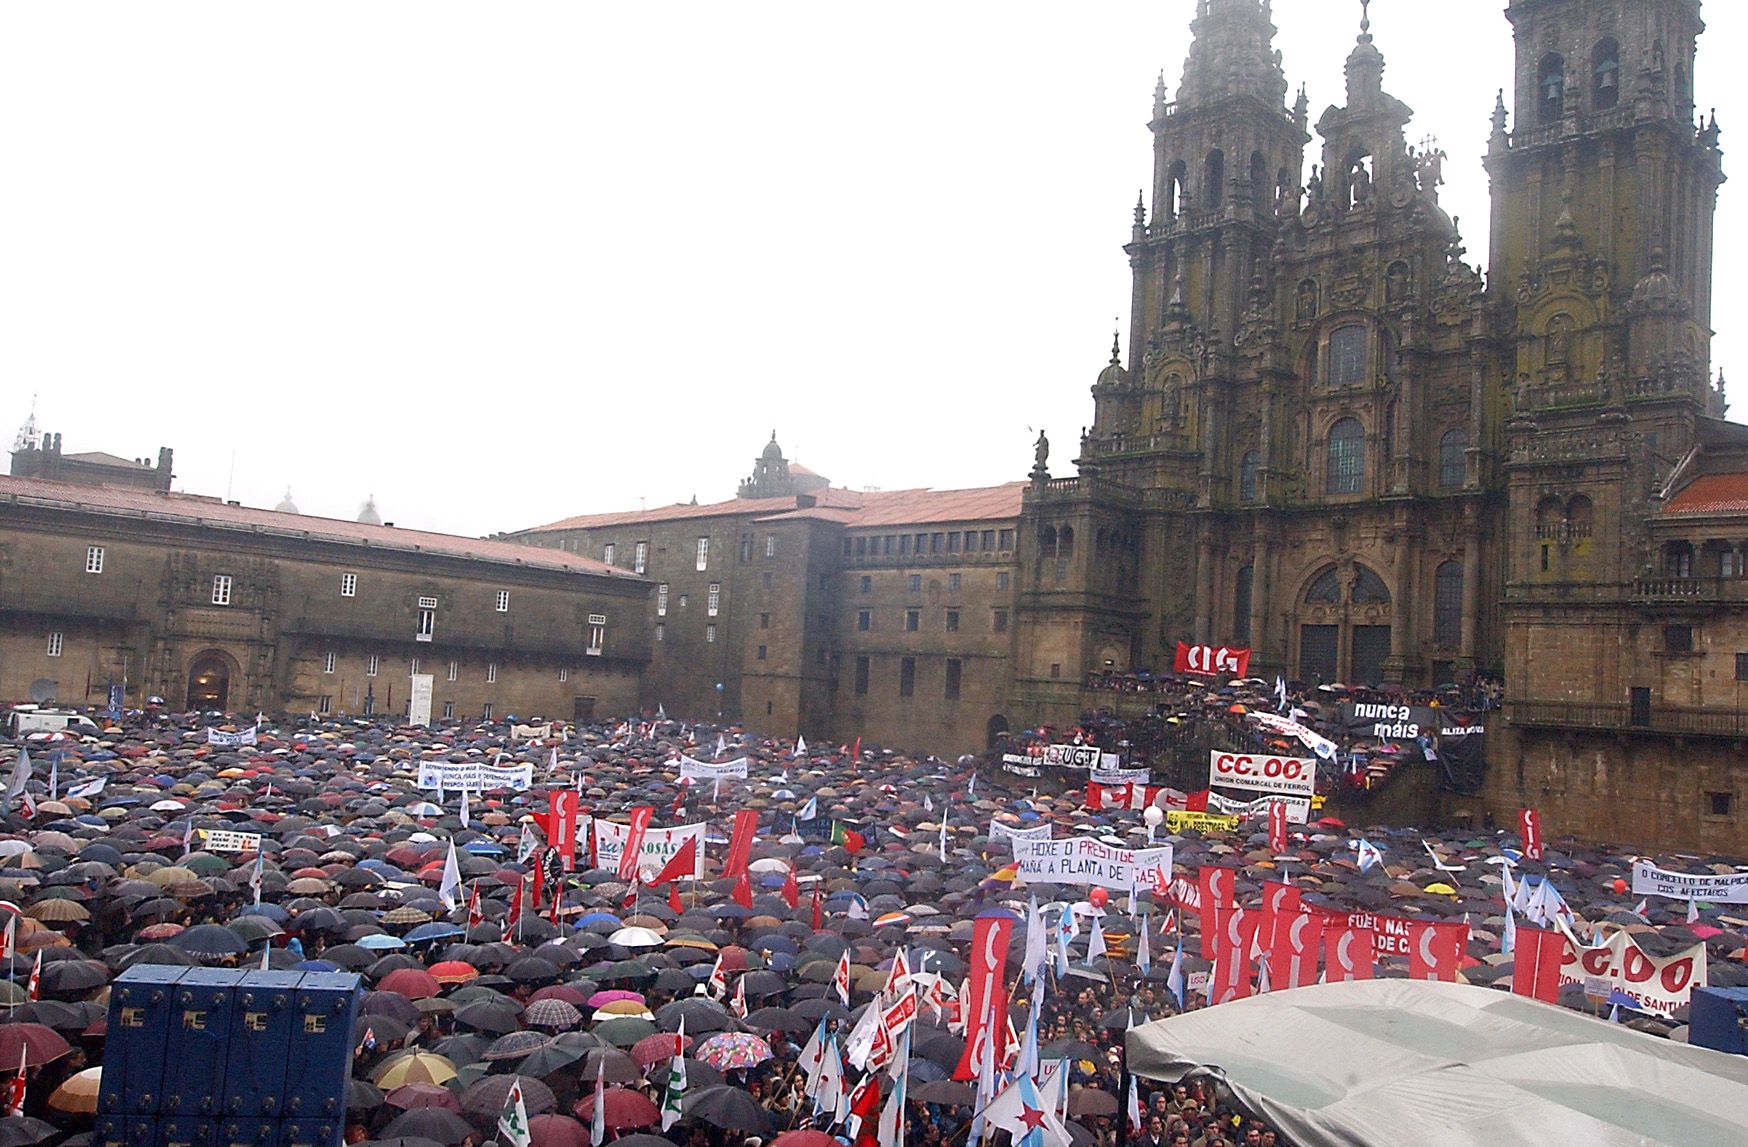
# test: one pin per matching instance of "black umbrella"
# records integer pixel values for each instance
(75, 975)
(25, 1131)
(730, 1108)
(209, 942)
(437, 1123)
(495, 1016)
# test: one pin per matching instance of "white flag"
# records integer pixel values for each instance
(598, 1126)
(513, 1121)
(449, 891)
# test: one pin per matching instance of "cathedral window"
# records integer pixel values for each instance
(1176, 181)
(1453, 450)
(1369, 588)
(1348, 350)
(1247, 468)
(1447, 604)
(1214, 178)
(1326, 589)
(1551, 88)
(1345, 470)
(1605, 74)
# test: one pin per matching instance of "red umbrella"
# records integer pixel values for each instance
(654, 1049)
(625, 1108)
(557, 1131)
(454, 972)
(563, 992)
(36, 1043)
(805, 1138)
(413, 983)
(410, 1095)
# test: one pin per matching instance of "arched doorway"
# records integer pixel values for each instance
(209, 681)
(1344, 630)
(993, 731)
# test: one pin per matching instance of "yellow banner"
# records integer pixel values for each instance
(1176, 820)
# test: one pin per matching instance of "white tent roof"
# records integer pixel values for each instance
(1406, 1061)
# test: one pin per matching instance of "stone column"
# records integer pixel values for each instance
(1205, 592)
(1471, 583)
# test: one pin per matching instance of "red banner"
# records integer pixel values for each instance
(986, 1009)
(1216, 887)
(634, 841)
(1280, 903)
(1293, 958)
(1535, 963)
(561, 817)
(1436, 952)
(1236, 931)
(1211, 660)
(1277, 827)
(1348, 953)
(1132, 796)
(740, 845)
(1531, 822)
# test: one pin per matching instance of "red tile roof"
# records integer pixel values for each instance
(1711, 494)
(854, 508)
(192, 509)
(682, 511)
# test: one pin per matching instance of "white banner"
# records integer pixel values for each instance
(223, 840)
(1659, 984)
(531, 732)
(1649, 880)
(998, 830)
(691, 770)
(1298, 808)
(1121, 776)
(659, 845)
(246, 737)
(1316, 742)
(1263, 773)
(419, 701)
(1083, 860)
(1072, 756)
(474, 777)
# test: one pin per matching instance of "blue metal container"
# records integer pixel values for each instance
(197, 1057)
(184, 1131)
(263, 1023)
(320, 1063)
(135, 1050)
(245, 1133)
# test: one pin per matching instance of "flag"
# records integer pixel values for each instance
(55, 776)
(791, 889)
(598, 1126)
(1235, 930)
(675, 904)
(986, 998)
(743, 890)
(1065, 934)
(892, 1115)
(813, 1054)
(740, 844)
(865, 1112)
(634, 841)
(1143, 956)
(9, 939)
(674, 1094)
(856, 750)
(898, 979)
(92, 788)
(1174, 979)
(526, 845)
(1692, 910)
(682, 863)
(1508, 936)
(738, 1003)
(475, 917)
(1349, 953)
(810, 810)
(1215, 889)
(449, 891)
(464, 806)
(828, 1089)
(1277, 827)
(1281, 692)
(1530, 821)
(15, 1089)
(1037, 942)
(1535, 966)
(1022, 1113)
(1370, 855)
(840, 978)
(801, 745)
(21, 778)
(368, 1043)
(1095, 940)
(718, 979)
(256, 873)
(818, 904)
(34, 988)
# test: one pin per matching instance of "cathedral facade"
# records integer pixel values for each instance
(1329, 439)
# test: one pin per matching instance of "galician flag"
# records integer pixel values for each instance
(513, 1121)
(674, 1094)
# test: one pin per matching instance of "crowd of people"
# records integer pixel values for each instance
(102, 854)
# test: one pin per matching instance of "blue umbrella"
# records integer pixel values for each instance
(380, 941)
(599, 918)
(317, 966)
(436, 930)
(272, 912)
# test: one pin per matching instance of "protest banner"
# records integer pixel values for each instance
(1210, 660)
(1298, 808)
(693, 770)
(998, 830)
(1071, 756)
(1083, 860)
(531, 732)
(659, 844)
(1263, 773)
(1020, 765)
(1103, 776)
(223, 840)
(1649, 880)
(1177, 819)
(985, 1013)
(1659, 984)
(215, 737)
(474, 776)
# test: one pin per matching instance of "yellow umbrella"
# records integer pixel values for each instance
(1441, 886)
(414, 1066)
(624, 1008)
(78, 1095)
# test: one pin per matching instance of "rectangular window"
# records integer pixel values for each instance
(954, 581)
(761, 653)
(683, 601)
(413, 667)
(953, 542)
(348, 585)
(56, 640)
(94, 559)
(221, 589)
(454, 670)
(955, 668)
(369, 704)
(503, 602)
(906, 676)
(1730, 563)
(486, 711)
(867, 583)
(936, 542)
(1007, 540)
(661, 633)
(713, 600)
(891, 546)
(703, 554)
(427, 603)
(1056, 669)
(913, 619)
(864, 620)
(770, 545)
(609, 552)
(662, 600)
(861, 547)
(952, 621)
(371, 664)
(846, 547)
(861, 675)
(1742, 666)
(597, 636)
(903, 544)
(1718, 804)
(1001, 580)
(764, 621)
(765, 579)
(325, 704)
(449, 710)
(328, 660)
(989, 539)
(491, 673)
(710, 634)
(640, 557)
(427, 622)
(999, 621)
(1678, 639)
(922, 543)
(746, 547)
(916, 583)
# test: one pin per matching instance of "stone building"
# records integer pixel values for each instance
(213, 605)
(798, 607)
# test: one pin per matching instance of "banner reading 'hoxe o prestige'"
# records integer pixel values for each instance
(1082, 860)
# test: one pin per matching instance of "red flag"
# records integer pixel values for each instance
(1197, 802)
(1280, 902)
(740, 845)
(1235, 930)
(743, 890)
(675, 904)
(35, 987)
(15, 1089)
(1217, 886)
(1531, 822)
(854, 841)
(791, 889)
(629, 900)
(1349, 953)
(474, 916)
(856, 750)
(1435, 951)
(1535, 968)
(562, 815)
(816, 909)
(986, 1009)
(1277, 827)
(516, 899)
(557, 900)
(682, 863)
(865, 1105)
(1293, 958)
(634, 841)
(539, 875)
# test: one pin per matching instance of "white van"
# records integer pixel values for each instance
(27, 719)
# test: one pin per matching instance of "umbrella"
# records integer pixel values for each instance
(79, 1094)
(33, 1043)
(209, 942)
(486, 1098)
(413, 983)
(807, 1138)
(624, 1108)
(947, 1091)
(413, 1066)
(25, 1131)
(730, 1108)
(558, 1131)
(437, 1123)
(411, 1095)
(727, 1051)
(1091, 1101)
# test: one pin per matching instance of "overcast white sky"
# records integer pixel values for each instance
(502, 263)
